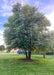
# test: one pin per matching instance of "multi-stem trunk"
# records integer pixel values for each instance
(28, 56)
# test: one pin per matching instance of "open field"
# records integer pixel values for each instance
(10, 65)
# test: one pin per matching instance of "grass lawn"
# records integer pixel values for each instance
(10, 65)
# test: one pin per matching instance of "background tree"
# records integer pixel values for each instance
(24, 28)
(51, 34)
(43, 45)
(2, 47)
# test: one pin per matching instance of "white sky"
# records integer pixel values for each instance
(51, 19)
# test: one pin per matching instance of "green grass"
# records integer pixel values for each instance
(10, 65)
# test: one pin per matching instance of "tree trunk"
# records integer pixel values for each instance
(29, 55)
(26, 55)
(43, 54)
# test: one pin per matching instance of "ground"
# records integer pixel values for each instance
(10, 65)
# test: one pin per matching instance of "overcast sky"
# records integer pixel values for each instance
(45, 6)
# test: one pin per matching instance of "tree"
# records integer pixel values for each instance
(51, 33)
(2, 47)
(24, 28)
(44, 43)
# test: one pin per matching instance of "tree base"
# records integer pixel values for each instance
(27, 60)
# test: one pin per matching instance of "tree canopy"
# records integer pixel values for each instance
(25, 27)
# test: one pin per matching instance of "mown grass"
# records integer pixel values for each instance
(10, 65)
